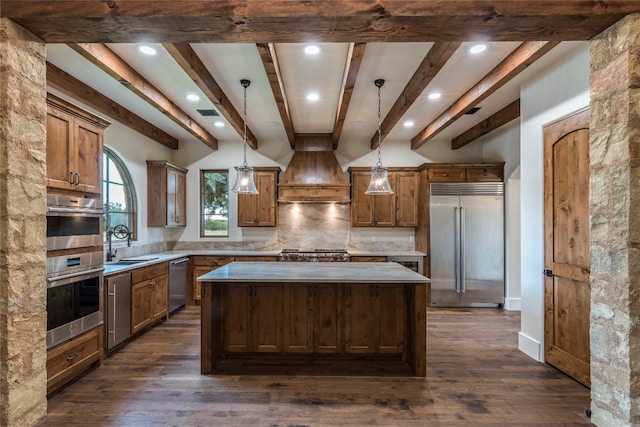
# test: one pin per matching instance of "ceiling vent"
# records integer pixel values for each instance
(208, 113)
(473, 110)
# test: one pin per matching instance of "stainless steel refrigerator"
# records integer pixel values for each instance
(467, 244)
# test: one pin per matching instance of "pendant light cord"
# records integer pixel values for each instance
(245, 83)
(379, 84)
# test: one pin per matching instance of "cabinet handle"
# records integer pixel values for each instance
(72, 178)
(77, 182)
(70, 358)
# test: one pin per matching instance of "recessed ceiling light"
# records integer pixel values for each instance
(478, 48)
(434, 95)
(313, 96)
(193, 97)
(219, 124)
(312, 49)
(146, 49)
(408, 124)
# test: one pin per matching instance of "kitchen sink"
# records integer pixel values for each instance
(136, 260)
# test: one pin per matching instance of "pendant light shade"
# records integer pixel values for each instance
(379, 183)
(244, 174)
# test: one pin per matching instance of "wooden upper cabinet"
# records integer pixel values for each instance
(395, 210)
(465, 172)
(260, 210)
(166, 194)
(74, 147)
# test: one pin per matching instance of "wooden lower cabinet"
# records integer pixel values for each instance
(252, 321)
(71, 358)
(312, 316)
(149, 295)
(374, 319)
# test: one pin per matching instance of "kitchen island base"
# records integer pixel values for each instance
(314, 318)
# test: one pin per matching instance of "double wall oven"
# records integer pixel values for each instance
(74, 266)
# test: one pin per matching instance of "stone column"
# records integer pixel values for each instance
(23, 251)
(615, 224)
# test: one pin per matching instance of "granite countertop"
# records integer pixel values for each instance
(318, 272)
(154, 258)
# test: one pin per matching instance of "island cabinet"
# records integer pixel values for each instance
(312, 314)
(260, 210)
(399, 209)
(74, 147)
(149, 295)
(305, 314)
(253, 320)
(166, 194)
(374, 319)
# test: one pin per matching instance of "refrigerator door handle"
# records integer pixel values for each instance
(456, 237)
(463, 279)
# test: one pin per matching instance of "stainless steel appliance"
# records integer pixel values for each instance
(314, 255)
(74, 295)
(467, 244)
(118, 309)
(415, 263)
(73, 222)
(177, 283)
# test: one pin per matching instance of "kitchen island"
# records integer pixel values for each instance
(339, 313)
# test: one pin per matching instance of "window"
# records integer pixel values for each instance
(214, 203)
(118, 195)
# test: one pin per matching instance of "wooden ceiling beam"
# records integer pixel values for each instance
(187, 58)
(272, 68)
(105, 59)
(523, 56)
(430, 66)
(275, 21)
(72, 86)
(502, 117)
(351, 69)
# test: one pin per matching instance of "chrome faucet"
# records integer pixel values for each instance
(120, 231)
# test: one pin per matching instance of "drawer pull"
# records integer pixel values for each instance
(70, 358)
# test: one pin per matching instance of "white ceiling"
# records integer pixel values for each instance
(323, 73)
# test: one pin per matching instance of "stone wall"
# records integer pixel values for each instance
(23, 374)
(615, 224)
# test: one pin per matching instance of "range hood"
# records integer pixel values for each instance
(314, 175)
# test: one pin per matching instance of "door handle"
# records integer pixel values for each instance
(547, 272)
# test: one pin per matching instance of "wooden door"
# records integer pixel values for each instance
(328, 316)
(141, 305)
(266, 209)
(88, 159)
(359, 318)
(298, 318)
(389, 319)
(236, 300)
(361, 204)
(384, 211)
(266, 314)
(160, 297)
(59, 149)
(172, 191)
(566, 224)
(406, 199)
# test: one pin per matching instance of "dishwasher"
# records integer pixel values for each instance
(177, 283)
(118, 309)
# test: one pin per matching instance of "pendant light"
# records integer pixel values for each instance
(379, 175)
(244, 174)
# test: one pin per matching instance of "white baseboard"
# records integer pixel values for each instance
(530, 347)
(513, 304)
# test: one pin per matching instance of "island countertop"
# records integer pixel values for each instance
(318, 272)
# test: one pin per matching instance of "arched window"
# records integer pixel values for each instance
(118, 195)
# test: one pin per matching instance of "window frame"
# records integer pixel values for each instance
(129, 191)
(201, 213)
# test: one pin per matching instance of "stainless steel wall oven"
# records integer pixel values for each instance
(73, 222)
(74, 295)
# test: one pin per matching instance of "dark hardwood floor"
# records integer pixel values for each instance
(475, 376)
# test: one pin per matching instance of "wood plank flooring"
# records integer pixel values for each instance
(475, 377)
